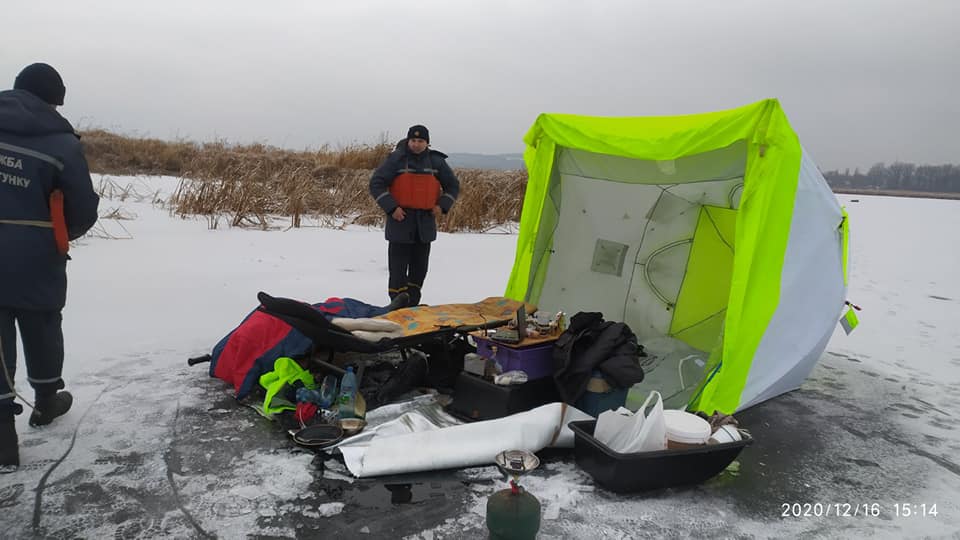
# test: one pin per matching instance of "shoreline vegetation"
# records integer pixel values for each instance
(247, 185)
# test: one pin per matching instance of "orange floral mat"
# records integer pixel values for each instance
(424, 319)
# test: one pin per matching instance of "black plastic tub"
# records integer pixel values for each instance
(475, 398)
(629, 473)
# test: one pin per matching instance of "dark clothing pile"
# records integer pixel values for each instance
(252, 348)
(590, 344)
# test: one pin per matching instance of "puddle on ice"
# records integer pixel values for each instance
(384, 496)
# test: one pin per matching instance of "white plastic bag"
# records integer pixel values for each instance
(615, 428)
(652, 434)
(626, 432)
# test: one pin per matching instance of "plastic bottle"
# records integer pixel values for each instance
(308, 395)
(328, 392)
(348, 394)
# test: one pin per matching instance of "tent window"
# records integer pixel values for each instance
(608, 257)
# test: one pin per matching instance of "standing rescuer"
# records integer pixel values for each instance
(46, 199)
(414, 186)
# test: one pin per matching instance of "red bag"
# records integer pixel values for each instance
(305, 412)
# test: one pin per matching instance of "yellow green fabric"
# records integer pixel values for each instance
(845, 235)
(285, 371)
(763, 218)
(849, 321)
(702, 302)
(539, 159)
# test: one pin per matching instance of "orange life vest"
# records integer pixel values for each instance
(416, 190)
(59, 222)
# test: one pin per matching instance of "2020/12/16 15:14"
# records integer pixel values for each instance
(898, 510)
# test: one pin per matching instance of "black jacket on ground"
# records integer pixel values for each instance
(419, 225)
(591, 343)
(39, 152)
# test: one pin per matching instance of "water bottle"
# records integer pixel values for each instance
(328, 392)
(348, 394)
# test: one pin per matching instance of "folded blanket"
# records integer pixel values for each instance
(372, 325)
(370, 329)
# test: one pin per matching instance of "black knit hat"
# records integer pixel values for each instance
(418, 132)
(42, 81)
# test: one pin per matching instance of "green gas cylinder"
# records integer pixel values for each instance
(513, 514)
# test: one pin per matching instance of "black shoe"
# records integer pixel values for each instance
(9, 447)
(50, 407)
(401, 300)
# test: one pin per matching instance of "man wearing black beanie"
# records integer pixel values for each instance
(42, 81)
(46, 199)
(414, 186)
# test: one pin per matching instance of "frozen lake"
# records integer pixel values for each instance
(153, 448)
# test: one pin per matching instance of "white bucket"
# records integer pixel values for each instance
(685, 430)
(724, 434)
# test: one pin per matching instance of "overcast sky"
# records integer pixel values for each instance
(862, 81)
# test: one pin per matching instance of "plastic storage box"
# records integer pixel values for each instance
(476, 398)
(628, 473)
(536, 360)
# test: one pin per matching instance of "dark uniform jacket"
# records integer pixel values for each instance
(39, 152)
(589, 344)
(419, 225)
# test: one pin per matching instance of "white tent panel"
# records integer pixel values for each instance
(723, 192)
(717, 164)
(811, 293)
(608, 200)
(584, 275)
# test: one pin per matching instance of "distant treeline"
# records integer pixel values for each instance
(899, 177)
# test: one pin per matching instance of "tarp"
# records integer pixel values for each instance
(426, 439)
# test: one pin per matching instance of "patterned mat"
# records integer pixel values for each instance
(424, 319)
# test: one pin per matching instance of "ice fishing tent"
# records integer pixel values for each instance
(715, 229)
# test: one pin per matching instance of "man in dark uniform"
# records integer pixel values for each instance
(46, 199)
(414, 186)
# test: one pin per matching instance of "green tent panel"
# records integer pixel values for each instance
(702, 302)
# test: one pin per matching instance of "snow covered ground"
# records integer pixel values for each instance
(154, 448)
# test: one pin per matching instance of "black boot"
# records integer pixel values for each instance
(399, 301)
(408, 375)
(9, 446)
(50, 407)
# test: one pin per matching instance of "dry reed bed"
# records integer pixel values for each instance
(249, 184)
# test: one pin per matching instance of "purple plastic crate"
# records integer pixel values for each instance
(536, 360)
